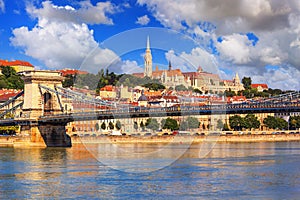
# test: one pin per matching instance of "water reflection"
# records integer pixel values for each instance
(230, 171)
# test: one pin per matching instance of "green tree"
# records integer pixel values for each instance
(247, 82)
(135, 126)
(196, 90)
(236, 122)
(118, 125)
(111, 125)
(193, 122)
(97, 126)
(69, 81)
(275, 123)
(225, 127)
(103, 126)
(229, 93)
(251, 121)
(220, 124)
(142, 125)
(180, 88)
(152, 124)
(294, 122)
(154, 86)
(10, 79)
(169, 123)
(184, 126)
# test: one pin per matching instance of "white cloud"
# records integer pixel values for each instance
(130, 67)
(192, 60)
(144, 20)
(2, 6)
(87, 13)
(235, 48)
(65, 43)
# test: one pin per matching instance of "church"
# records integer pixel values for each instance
(169, 78)
(204, 81)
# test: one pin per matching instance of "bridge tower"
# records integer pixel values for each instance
(39, 102)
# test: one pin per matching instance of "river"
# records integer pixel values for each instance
(264, 170)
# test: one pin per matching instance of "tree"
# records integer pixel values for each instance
(135, 126)
(250, 121)
(111, 125)
(142, 125)
(229, 93)
(118, 125)
(184, 126)
(10, 79)
(275, 123)
(154, 86)
(196, 90)
(180, 88)
(103, 126)
(169, 124)
(69, 81)
(247, 82)
(152, 124)
(236, 122)
(294, 122)
(225, 127)
(97, 126)
(220, 124)
(193, 122)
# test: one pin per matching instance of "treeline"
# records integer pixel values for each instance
(250, 121)
(249, 92)
(10, 79)
(103, 78)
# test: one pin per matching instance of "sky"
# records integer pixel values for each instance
(256, 38)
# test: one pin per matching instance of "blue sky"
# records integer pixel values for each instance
(260, 39)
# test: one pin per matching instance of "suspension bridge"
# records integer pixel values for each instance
(46, 108)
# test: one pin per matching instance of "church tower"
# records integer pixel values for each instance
(148, 61)
(236, 79)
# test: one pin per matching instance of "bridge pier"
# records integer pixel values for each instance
(39, 102)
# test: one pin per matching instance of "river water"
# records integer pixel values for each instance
(226, 171)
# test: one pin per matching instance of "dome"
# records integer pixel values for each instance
(143, 97)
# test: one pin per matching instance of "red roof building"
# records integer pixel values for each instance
(66, 72)
(260, 87)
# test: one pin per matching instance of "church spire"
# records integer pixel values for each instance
(148, 60)
(236, 79)
(148, 43)
(170, 66)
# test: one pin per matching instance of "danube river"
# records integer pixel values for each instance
(220, 171)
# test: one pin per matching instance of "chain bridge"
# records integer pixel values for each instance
(46, 108)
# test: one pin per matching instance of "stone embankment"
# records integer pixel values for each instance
(17, 141)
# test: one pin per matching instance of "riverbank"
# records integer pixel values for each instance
(189, 139)
(17, 141)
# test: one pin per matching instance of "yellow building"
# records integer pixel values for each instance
(108, 91)
(18, 65)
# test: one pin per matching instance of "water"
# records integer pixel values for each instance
(229, 171)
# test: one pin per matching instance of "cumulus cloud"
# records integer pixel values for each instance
(2, 6)
(59, 41)
(144, 20)
(235, 48)
(87, 13)
(192, 60)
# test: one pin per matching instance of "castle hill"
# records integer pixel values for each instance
(61, 107)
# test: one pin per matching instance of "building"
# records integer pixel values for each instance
(260, 87)
(169, 78)
(18, 65)
(65, 72)
(108, 91)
